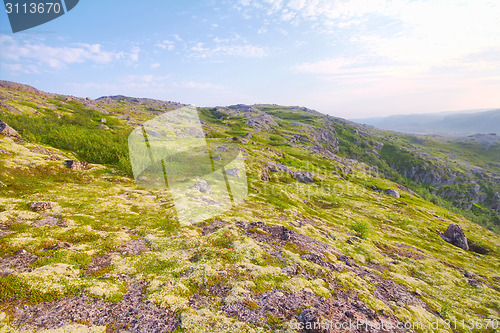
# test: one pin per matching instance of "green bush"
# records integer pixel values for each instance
(361, 228)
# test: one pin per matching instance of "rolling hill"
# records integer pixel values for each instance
(342, 223)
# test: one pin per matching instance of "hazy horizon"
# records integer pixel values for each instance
(349, 59)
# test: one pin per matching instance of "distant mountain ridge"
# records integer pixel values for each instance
(446, 123)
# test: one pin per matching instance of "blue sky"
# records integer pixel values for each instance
(351, 58)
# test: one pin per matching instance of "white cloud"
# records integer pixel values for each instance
(34, 56)
(155, 65)
(312, 10)
(166, 45)
(235, 46)
(419, 33)
(134, 55)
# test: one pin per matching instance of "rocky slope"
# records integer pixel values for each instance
(322, 236)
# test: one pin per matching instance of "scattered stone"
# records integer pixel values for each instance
(2, 184)
(132, 314)
(235, 172)
(222, 148)
(61, 245)
(212, 227)
(18, 263)
(202, 186)
(103, 120)
(243, 140)
(50, 220)
(348, 261)
(456, 236)
(134, 247)
(304, 176)
(9, 108)
(353, 239)
(76, 165)
(277, 167)
(262, 121)
(310, 320)
(308, 290)
(393, 193)
(210, 202)
(198, 301)
(474, 283)
(97, 264)
(8, 131)
(39, 206)
(468, 274)
(102, 126)
(289, 270)
(265, 174)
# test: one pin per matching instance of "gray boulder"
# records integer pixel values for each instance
(235, 172)
(304, 176)
(262, 121)
(310, 321)
(202, 186)
(39, 206)
(456, 236)
(76, 165)
(393, 193)
(277, 167)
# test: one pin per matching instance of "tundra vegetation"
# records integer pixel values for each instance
(342, 222)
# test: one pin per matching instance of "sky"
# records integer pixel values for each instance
(349, 58)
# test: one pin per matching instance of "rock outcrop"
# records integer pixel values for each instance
(456, 236)
(265, 174)
(304, 176)
(9, 108)
(277, 167)
(234, 172)
(8, 131)
(202, 186)
(430, 176)
(301, 176)
(262, 121)
(392, 193)
(13, 86)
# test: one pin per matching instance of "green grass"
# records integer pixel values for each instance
(76, 131)
(104, 210)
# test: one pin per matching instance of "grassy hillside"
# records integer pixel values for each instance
(110, 256)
